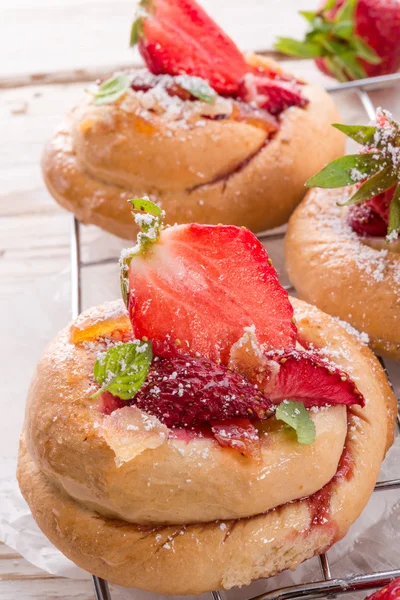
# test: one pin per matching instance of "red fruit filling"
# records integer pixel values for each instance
(178, 37)
(271, 94)
(186, 392)
(143, 81)
(306, 377)
(239, 434)
(199, 286)
(107, 403)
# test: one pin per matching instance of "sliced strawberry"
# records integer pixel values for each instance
(177, 36)
(364, 221)
(197, 288)
(184, 391)
(306, 377)
(390, 592)
(238, 434)
(272, 95)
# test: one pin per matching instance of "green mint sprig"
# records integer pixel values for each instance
(296, 416)
(197, 87)
(110, 90)
(123, 369)
(378, 168)
(149, 217)
(334, 40)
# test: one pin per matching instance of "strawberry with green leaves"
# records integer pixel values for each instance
(193, 292)
(178, 38)
(350, 39)
(375, 173)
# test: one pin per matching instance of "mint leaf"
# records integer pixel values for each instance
(362, 50)
(197, 87)
(297, 48)
(123, 369)
(394, 212)
(147, 206)
(111, 89)
(296, 416)
(382, 181)
(340, 172)
(363, 134)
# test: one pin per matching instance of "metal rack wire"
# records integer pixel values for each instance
(328, 586)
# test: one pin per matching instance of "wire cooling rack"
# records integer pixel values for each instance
(328, 586)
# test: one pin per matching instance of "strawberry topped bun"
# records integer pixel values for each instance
(210, 135)
(208, 430)
(343, 246)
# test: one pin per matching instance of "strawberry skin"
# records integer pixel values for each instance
(186, 392)
(179, 37)
(365, 221)
(390, 592)
(306, 377)
(372, 217)
(197, 288)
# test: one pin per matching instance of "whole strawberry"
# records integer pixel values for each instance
(351, 39)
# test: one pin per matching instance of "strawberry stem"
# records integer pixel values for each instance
(149, 217)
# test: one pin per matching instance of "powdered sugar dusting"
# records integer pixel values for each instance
(374, 266)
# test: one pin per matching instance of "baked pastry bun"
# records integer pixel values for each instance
(232, 140)
(210, 434)
(337, 255)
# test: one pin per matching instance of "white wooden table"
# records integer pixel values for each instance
(65, 38)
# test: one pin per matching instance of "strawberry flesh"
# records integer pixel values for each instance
(238, 434)
(186, 392)
(306, 377)
(179, 37)
(272, 95)
(389, 592)
(197, 288)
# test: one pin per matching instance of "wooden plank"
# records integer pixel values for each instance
(53, 36)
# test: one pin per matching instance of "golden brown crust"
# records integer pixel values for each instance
(105, 155)
(331, 267)
(85, 451)
(224, 554)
